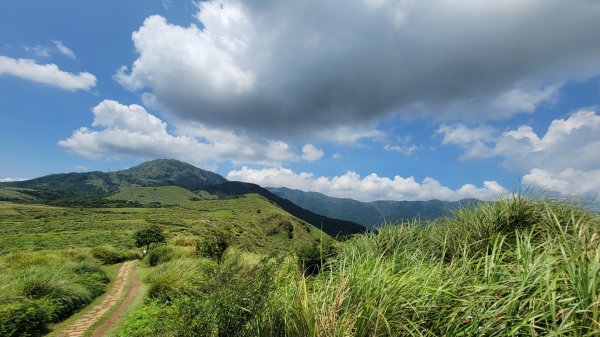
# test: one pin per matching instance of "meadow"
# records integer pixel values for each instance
(56, 260)
(516, 267)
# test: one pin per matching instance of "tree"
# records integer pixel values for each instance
(145, 237)
(212, 246)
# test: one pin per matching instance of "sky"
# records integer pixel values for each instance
(365, 99)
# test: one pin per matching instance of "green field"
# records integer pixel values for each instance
(33, 227)
(516, 267)
(161, 196)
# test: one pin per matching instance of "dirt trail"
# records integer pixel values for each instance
(127, 273)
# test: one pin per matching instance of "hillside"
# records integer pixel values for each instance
(14, 194)
(155, 196)
(251, 223)
(159, 172)
(369, 213)
(331, 226)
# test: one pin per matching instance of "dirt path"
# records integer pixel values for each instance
(126, 274)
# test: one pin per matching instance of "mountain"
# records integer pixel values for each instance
(139, 186)
(370, 214)
(329, 225)
(159, 172)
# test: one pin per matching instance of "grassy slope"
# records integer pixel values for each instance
(15, 194)
(28, 227)
(517, 267)
(51, 256)
(164, 195)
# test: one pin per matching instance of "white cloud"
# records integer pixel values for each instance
(402, 145)
(371, 187)
(275, 66)
(48, 74)
(403, 149)
(311, 153)
(130, 131)
(472, 139)
(337, 155)
(64, 49)
(38, 51)
(565, 159)
(568, 182)
(527, 100)
(8, 180)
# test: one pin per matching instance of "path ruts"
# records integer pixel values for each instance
(93, 315)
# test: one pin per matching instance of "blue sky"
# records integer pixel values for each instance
(369, 99)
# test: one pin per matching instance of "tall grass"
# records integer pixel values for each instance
(517, 267)
(37, 289)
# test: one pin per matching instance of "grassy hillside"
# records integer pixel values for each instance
(370, 214)
(160, 172)
(51, 257)
(251, 222)
(331, 226)
(16, 194)
(518, 267)
(164, 195)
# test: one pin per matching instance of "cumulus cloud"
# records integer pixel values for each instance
(311, 153)
(565, 159)
(568, 182)
(48, 74)
(292, 67)
(68, 52)
(368, 188)
(120, 130)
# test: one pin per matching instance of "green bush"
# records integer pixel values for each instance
(312, 257)
(212, 247)
(66, 292)
(160, 254)
(146, 321)
(111, 255)
(28, 318)
(179, 277)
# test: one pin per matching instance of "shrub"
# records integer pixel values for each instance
(313, 257)
(26, 318)
(159, 255)
(212, 247)
(110, 255)
(179, 277)
(57, 285)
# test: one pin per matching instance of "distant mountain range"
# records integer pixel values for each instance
(370, 214)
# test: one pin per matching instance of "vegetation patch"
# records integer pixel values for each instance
(154, 196)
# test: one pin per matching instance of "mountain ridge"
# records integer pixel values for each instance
(371, 214)
(329, 225)
(97, 189)
(158, 172)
